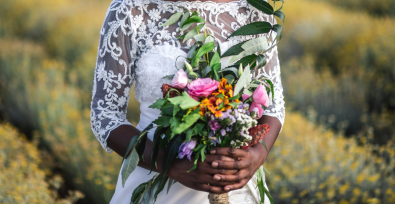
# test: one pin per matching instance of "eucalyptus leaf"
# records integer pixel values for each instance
(261, 61)
(129, 165)
(280, 15)
(191, 51)
(155, 145)
(234, 50)
(246, 60)
(255, 45)
(173, 19)
(200, 37)
(185, 27)
(262, 5)
(278, 28)
(184, 17)
(170, 153)
(161, 186)
(253, 28)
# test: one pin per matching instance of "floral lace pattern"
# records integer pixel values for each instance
(132, 32)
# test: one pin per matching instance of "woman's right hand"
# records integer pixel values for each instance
(201, 178)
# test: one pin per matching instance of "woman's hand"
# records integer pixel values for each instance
(201, 178)
(246, 161)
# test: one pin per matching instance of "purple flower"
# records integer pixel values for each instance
(224, 115)
(233, 119)
(214, 140)
(186, 149)
(236, 113)
(246, 106)
(214, 125)
(223, 132)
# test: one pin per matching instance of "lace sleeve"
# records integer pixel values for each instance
(272, 71)
(114, 72)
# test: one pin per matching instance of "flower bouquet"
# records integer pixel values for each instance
(205, 106)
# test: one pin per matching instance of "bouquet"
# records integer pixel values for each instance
(205, 106)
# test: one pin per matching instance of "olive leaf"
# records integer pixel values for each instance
(173, 19)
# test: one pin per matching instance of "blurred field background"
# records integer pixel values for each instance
(337, 145)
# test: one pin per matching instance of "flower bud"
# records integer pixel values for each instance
(188, 66)
(241, 69)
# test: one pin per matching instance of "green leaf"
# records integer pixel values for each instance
(243, 80)
(200, 37)
(271, 87)
(185, 27)
(184, 17)
(278, 28)
(176, 110)
(255, 45)
(198, 128)
(215, 59)
(138, 192)
(163, 121)
(158, 104)
(246, 60)
(234, 50)
(189, 120)
(205, 71)
(236, 96)
(202, 153)
(169, 183)
(209, 39)
(203, 50)
(262, 5)
(191, 51)
(264, 144)
(230, 70)
(161, 186)
(193, 19)
(261, 60)
(129, 165)
(189, 135)
(230, 78)
(234, 104)
(167, 108)
(170, 153)
(280, 15)
(131, 144)
(155, 145)
(214, 71)
(253, 28)
(184, 101)
(174, 123)
(173, 19)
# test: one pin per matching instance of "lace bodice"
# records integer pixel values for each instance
(135, 48)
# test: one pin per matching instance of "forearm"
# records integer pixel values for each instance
(119, 139)
(270, 138)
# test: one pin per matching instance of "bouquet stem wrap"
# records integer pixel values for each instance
(218, 198)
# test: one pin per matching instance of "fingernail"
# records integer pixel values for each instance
(218, 178)
(213, 151)
(227, 189)
(214, 164)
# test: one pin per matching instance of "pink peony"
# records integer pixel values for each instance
(202, 87)
(180, 80)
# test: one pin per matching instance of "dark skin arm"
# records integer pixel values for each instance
(247, 161)
(197, 179)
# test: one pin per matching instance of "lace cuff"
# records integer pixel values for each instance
(114, 73)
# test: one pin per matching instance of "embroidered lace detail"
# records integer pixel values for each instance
(134, 45)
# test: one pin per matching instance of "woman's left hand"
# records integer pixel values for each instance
(246, 161)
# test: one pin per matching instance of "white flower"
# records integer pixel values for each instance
(154, 14)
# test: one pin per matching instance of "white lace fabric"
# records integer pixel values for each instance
(132, 32)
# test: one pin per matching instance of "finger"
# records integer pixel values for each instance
(229, 151)
(205, 168)
(208, 179)
(211, 158)
(236, 185)
(212, 189)
(236, 178)
(231, 164)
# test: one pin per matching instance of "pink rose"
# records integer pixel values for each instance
(260, 96)
(180, 79)
(202, 87)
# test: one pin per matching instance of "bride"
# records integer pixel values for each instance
(135, 48)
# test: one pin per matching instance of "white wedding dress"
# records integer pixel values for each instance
(134, 47)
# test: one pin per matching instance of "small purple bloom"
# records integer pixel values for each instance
(214, 141)
(186, 149)
(229, 111)
(246, 106)
(236, 113)
(223, 132)
(240, 106)
(224, 115)
(248, 112)
(233, 119)
(214, 125)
